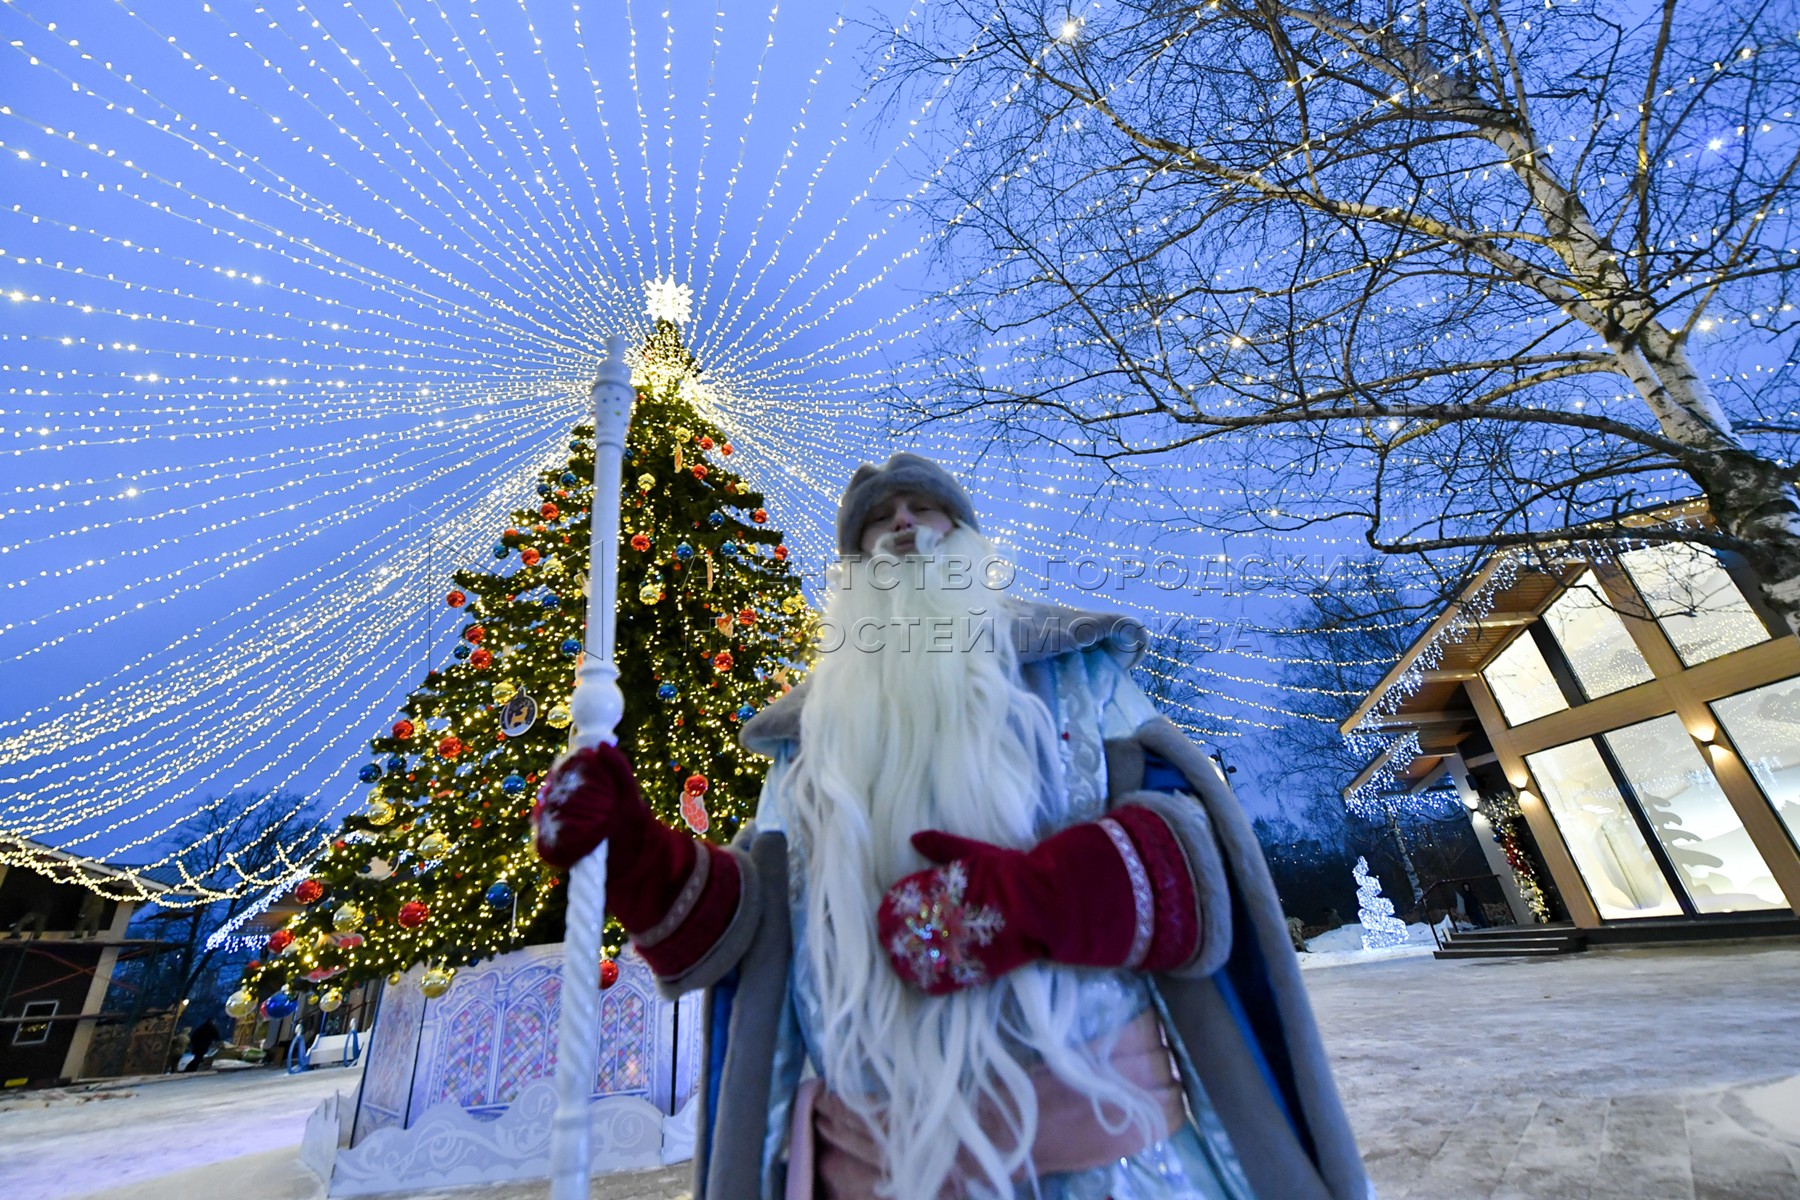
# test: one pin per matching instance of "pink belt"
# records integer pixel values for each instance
(832, 1154)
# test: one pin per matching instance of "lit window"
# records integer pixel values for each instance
(1602, 836)
(1764, 728)
(1699, 607)
(1699, 830)
(1595, 641)
(1521, 681)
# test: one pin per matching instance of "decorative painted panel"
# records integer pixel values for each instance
(481, 1046)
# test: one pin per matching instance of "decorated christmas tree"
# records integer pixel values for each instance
(438, 867)
(1381, 928)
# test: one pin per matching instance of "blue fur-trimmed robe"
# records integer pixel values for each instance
(1265, 1117)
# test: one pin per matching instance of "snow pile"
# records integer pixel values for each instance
(1344, 945)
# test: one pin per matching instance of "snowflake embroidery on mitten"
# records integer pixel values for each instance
(939, 929)
(552, 796)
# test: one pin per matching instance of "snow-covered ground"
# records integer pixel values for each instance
(147, 1134)
(1343, 946)
(1660, 1073)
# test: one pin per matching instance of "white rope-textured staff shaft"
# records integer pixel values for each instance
(597, 706)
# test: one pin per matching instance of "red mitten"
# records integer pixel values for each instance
(672, 894)
(1116, 892)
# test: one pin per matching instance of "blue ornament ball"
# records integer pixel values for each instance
(370, 773)
(281, 1004)
(500, 550)
(716, 519)
(513, 784)
(498, 895)
(396, 764)
(571, 647)
(667, 691)
(684, 552)
(745, 712)
(551, 601)
(569, 479)
(463, 650)
(729, 549)
(543, 489)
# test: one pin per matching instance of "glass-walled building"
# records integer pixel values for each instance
(1632, 716)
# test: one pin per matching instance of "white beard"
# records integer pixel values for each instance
(896, 738)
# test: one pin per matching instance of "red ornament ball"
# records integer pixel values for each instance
(699, 470)
(725, 449)
(695, 784)
(609, 973)
(781, 553)
(280, 940)
(529, 557)
(639, 542)
(747, 616)
(456, 599)
(450, 747)
(722, 661)
(760, 516)
(474, 634)
(412, 914)
(706, 443)
(308, 890)
(548, 511)
(481, 660)
(403, 730)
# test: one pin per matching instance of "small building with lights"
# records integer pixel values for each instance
(1622, 720)
(62, 935)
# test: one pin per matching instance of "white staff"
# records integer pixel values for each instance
(597, 706)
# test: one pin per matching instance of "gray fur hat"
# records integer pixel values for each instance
(902, 473)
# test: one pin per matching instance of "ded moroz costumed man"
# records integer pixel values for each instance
(998, 928)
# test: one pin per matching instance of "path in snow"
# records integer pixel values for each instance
(166, 1125)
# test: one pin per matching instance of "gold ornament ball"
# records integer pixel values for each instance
(379, 812)
(684, 434)
(435, 983)
(348, 917)
(504, 691)
(241, 1004)
(650, 592)
(434, 845)
(393, 979)
(559, 717)
(332, 1001)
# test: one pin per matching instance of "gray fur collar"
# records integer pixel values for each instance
(1040, 631)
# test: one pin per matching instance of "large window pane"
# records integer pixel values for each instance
(1764, 726)
(1620, 873)
(1699, 830)
(1595, 641)
(1699, 607)
(1521, 681)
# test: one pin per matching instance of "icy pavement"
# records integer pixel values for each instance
(1667, 1073)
